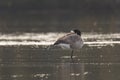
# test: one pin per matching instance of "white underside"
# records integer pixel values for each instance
(64, 46)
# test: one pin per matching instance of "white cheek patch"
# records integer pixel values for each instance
(64, 46)
(72, 31)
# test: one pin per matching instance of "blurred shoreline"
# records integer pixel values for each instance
(58, 15)
(58, 22)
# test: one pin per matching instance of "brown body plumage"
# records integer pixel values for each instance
(71, 40)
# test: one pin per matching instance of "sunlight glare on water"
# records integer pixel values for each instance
(92, 39)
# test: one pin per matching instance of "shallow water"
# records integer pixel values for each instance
(25, 56)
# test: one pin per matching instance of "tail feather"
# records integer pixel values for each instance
(60, 41)
(56, 43)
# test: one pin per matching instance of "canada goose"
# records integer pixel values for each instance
(71, 40)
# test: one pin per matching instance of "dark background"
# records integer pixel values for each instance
(59, 15)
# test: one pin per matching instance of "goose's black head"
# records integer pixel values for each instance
(77, 32)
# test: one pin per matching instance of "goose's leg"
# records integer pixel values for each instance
(72, 54)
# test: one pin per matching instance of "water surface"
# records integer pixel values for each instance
(25, 56)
